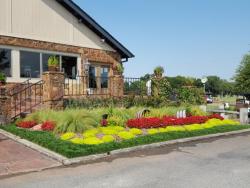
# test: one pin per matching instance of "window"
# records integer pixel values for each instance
(29, 64)
(5, 61)
(92, 77)
(69, 66)
(104, 77)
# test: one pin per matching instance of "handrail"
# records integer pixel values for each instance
(39, 82)
(9, 91)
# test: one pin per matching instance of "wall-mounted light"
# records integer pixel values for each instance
(103, 40)
(86, 66)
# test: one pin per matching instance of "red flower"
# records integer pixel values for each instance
(26, 124)
(216, 116)
(48, 126)
(145, 123)
(104, 122)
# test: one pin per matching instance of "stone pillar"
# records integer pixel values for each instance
(53, 90)
(244, 116)
(5, 106)
(117, 89)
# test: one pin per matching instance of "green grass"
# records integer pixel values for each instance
(48, 140)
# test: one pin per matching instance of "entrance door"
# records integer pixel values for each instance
(99, 79)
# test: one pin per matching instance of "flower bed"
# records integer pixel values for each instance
(117, 134)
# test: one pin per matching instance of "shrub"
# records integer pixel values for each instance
(126, 135)
(115, 121)
(67, 136)
(26, 124)
(48, 126)
(77, 122)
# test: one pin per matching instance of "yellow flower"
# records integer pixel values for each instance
(126, 135)
(175, 128)
(108, 138)
(193, 127)
(92, 141)
(135, 131)
(68, 136)
(153, 131)
(163, 130)
(77, 141)
(90, 133)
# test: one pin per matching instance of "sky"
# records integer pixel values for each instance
(187, 37)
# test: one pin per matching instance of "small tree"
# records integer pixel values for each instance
(242, 77)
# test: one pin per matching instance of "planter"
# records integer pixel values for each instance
(54, 68)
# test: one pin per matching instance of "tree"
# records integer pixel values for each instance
(242, 77)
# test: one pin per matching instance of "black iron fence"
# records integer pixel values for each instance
(134, 86)
(86, 85)
(103, 86)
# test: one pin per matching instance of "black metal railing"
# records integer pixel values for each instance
(25, 100)
(87, 85)
(134, 86)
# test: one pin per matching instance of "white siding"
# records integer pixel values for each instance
(45, 20)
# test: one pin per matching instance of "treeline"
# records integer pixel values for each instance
(215, 85)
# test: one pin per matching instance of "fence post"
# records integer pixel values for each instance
(244, 116)
(53, 90)
(5, 106)
(118, 86)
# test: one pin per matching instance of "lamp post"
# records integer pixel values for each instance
(204, 81)
(86, 67)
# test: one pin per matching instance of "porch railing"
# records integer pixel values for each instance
(85, 85)
(134, 86)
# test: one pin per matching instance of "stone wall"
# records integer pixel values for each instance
(5, 106)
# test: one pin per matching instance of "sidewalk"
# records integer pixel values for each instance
(16, 158)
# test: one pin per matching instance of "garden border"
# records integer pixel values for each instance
(87, 159)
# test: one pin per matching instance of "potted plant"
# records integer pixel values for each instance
(2, 79)
(120, 68)
(158, 71)
(53, 63)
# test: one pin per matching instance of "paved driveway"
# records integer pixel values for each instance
(222, 162)
(16, 158)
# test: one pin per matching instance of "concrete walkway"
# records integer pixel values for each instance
(221, 162)
(16, 158)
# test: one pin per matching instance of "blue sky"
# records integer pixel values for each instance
(186, 37)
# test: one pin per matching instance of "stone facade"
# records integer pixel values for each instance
(99, 56)
(109, 57)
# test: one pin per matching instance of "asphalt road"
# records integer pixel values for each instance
(223, 162)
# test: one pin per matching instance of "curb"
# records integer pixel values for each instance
(87, 159)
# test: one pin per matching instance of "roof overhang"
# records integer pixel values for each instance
(95, 27)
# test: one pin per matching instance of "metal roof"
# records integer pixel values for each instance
(83, 17)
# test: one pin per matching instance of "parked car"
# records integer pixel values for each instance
(209, 98)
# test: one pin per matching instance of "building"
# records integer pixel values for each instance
(33, 30)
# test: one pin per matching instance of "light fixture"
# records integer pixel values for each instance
(86, 66)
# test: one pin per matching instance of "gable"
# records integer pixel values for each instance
(46, 20)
